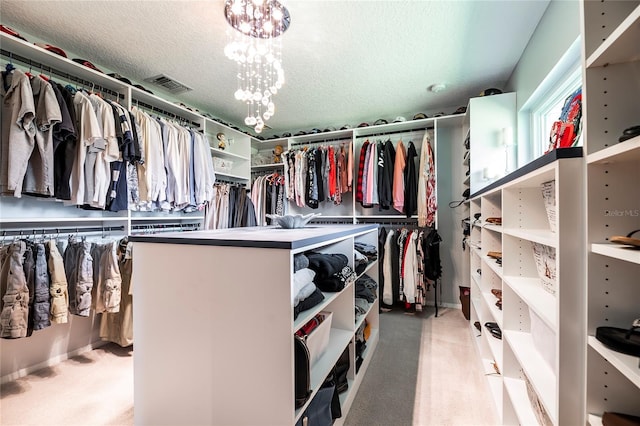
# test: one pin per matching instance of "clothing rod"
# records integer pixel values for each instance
(229, 182)
(397, 132)
(165, 225)
(331, 221)
(64, 230)
(320, 142)
(172, 115)
(65, 75)
(402, 220)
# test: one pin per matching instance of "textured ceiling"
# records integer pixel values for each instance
(345, 61)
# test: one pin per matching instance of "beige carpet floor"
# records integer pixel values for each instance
(96, 388)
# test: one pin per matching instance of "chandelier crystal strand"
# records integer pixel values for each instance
(257, 50)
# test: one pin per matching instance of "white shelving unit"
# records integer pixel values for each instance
(611, 30)
(542, 340)
(260, 341)
(56, 343)
(36, 210)
(443, 130)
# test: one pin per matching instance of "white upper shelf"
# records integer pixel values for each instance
(623, 45)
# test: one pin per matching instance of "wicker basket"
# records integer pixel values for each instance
(545, 258)
(549, 196)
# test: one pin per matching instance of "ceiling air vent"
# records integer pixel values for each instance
(168, 83)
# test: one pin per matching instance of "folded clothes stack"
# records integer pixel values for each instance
(360, 262)
(367, 249)
(305, 293)
(333, 272)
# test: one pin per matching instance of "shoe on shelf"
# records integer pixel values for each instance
(629, 133)
(499, 304)
(478, 326)
(495, 254)
(621, 340)
(497, 293)
(628, 240)
(494, 329)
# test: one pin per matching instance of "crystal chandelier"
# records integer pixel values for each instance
(257, 51)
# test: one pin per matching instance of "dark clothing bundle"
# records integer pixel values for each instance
(366, 288)
(333, 272)
(308, 303)
(367, 249)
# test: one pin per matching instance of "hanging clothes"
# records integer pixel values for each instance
(313, 175)
(230, 207)
(117, 326)
(64, 143)
(398, 177)
(427, 201)
(18, 130)
(410, 266)
(361, 167)
(410, 182)
(385, 174)
(14, 293)
(38, 179)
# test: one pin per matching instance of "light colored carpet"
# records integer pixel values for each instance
(95, 388)
(424, 372)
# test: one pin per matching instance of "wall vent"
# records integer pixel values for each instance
(168, 83)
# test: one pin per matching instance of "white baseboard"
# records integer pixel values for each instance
(51, 362)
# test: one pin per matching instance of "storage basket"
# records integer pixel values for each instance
(538, 409)
(318, 339)
(549, 196)
(222, 165)
(545, 258)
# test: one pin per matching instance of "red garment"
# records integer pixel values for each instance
(331, 158)
(363, 153)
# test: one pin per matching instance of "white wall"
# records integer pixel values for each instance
(556, 31)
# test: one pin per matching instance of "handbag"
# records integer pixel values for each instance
(302, 371)
(318, 413)
(342, 367)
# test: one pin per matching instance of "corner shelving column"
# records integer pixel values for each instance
(543, 292)
(611, 101)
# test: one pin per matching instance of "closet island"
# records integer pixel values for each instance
(214, 323)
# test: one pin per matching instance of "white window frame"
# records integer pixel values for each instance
(534, 117)
(548, 111)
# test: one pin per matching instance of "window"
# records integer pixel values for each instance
(543, 117)
(545, 105)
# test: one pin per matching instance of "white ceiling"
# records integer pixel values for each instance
(345, 61)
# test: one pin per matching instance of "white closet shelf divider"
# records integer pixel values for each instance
(491, 300)
(222, 153)
(627, 151)
(229, 175)
(492, 227)
(628, 365)
(617, 251)
(517, 391)
(540, 374)
(621, 45)
(491, 262)
(543, 303)
(541, 236)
